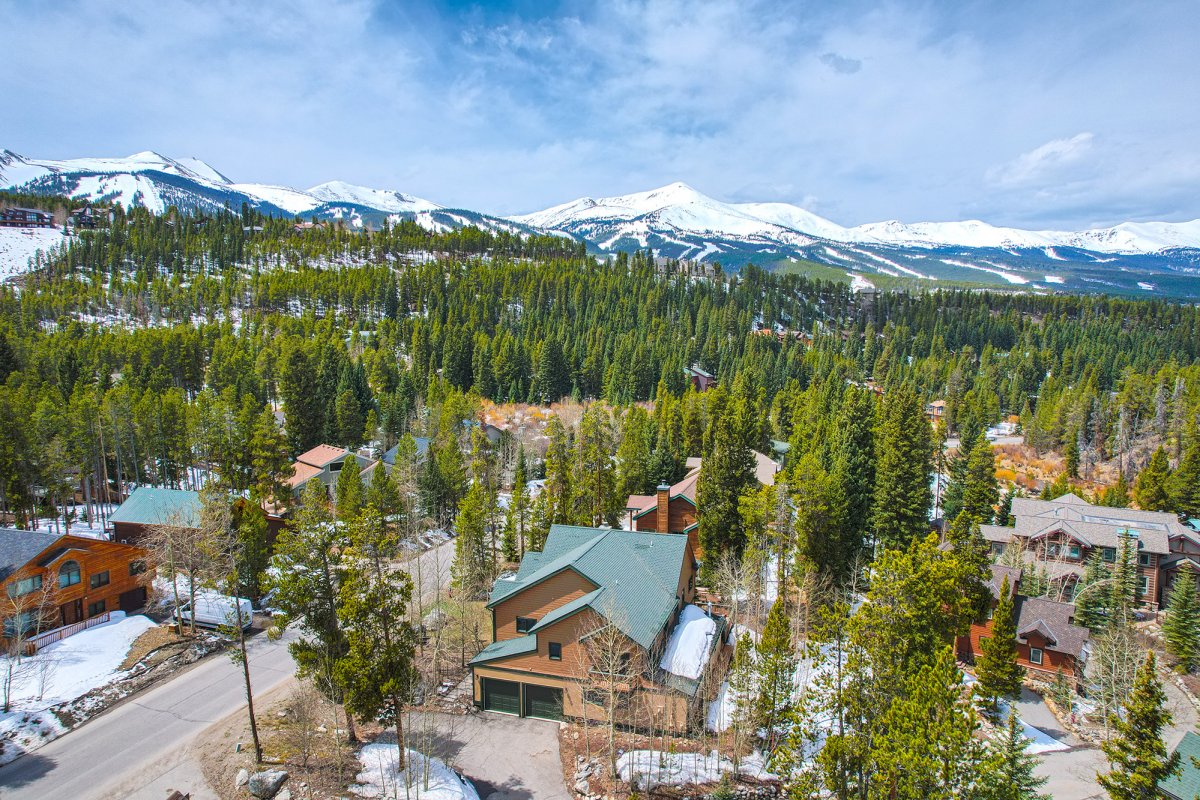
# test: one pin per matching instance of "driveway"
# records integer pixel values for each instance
(507, 758)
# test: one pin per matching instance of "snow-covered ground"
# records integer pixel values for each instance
(690, 643)
(654, 768)
(18, 246)
(428, 778)
(60, 673)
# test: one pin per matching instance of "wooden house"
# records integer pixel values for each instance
(51, 581)
(324, 463)
(26, 218)
(543, 660)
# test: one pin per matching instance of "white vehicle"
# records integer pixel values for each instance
(217, 610)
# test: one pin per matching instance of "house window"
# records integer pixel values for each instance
(336, 466)
(555, 651)
(25, 586)
(68, 574)
(1143, 585)
(1110, 554)
(20, 624)
(1035, 655)
(95, 608)
(595, 697)
(1144, 559)
(1073, 552)
(98, 580)
(137, 567)
(524, 624)
(997, 548)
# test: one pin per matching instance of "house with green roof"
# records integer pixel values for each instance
(630, 590)
(150, 507)
(1184, 784)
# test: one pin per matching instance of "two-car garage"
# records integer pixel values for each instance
(522, 699)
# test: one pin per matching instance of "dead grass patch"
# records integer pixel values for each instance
(149, 641)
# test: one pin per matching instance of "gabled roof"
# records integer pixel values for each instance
(1053, 620)
(635, 575)
(1097, 526)
(150, 505)
(322, 454)
(18, 548)
(302, 473)
(422, 443)
(1185, 784)
(999, 573)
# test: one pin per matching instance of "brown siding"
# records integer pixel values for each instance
(968, 646)
(681, 515)
(538, 601)
(94, 557)
(574, 655)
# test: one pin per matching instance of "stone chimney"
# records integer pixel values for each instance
(663, 519)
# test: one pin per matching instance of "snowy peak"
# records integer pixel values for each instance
(382, 199)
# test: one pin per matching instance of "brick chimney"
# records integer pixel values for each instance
(663, 518)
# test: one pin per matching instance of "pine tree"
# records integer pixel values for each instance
(900, 512)
(1181, 629)
(1123, 591)
(1004, 516)
(348, 491)
(1007, 769)
(1071, 455)
(376, 673)
(725, 475)
(1137, 753)
(981, 492)
(270, 463)
(1184, 486)
(1150, 488)
(776, 664)
(1091, 599)
(633, 454)
(1000, 675)
(474, 567)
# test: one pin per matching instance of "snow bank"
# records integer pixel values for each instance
(430, 778)
(18, 246)
(60, 673)
(653, 768)
(689, 645)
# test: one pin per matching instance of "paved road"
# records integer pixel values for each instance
(132, 750)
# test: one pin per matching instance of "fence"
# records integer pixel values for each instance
(58, 634)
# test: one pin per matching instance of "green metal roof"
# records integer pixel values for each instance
(636, 575)
(150, 505)
(505, 648)
(1185, 784)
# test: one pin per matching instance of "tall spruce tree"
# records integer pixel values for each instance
(1181, 628)
(903, 463)
(1137, 754)
(981, 492)
(725, 475)
(999, 673)
(1007, 769)
(1150, 490)
(1184, 485)
(776, 661)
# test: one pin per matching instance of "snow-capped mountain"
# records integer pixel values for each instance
(678, 208)
(157, 182)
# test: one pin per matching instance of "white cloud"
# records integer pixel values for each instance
(1042, 162)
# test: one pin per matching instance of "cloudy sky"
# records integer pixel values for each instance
(1036, 114)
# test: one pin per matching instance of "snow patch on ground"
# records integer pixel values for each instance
(1008, 276)
(858, 282)
(688, 648)
(1148, 287)
(60, 673)
(654, 768)
(18, 246)
(428, 778)
(1055, 279)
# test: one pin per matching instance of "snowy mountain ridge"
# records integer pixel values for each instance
(681, 208)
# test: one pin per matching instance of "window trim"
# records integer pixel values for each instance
(529, 622)
(14, 588)
(77, 574)
(551, 647)
(1041, 656)
(97, 608)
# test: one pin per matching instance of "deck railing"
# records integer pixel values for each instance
(58, 634)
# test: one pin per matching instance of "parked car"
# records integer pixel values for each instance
(216, 610)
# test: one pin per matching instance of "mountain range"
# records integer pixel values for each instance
(677, 221)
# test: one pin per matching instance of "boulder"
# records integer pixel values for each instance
(243, 777)
(286, 794)
(266, 784)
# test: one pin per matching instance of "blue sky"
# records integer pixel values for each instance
(1036, 114)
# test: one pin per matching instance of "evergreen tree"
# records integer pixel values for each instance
(1004, 517)
(271, 466)
(980, 492)
(348, 491)
(1071, 455)
(725, 475)
(1181, 629)
(376, 673)
(900, 512)
(1184, 485)
(634, 454)
(1000, 675)
(1136, 752)
(776, 662)
(304, 416)
(474, 565)
(1091, 599)
(382, 494)
(1150, 490)
(1007, 769)
(1123, 590)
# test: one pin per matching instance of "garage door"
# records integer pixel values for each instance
(133, 599)
(503, 696)
(544, 702)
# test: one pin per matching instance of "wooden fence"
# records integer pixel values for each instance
(58, 634)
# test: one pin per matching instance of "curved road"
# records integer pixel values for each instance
(108, 756)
